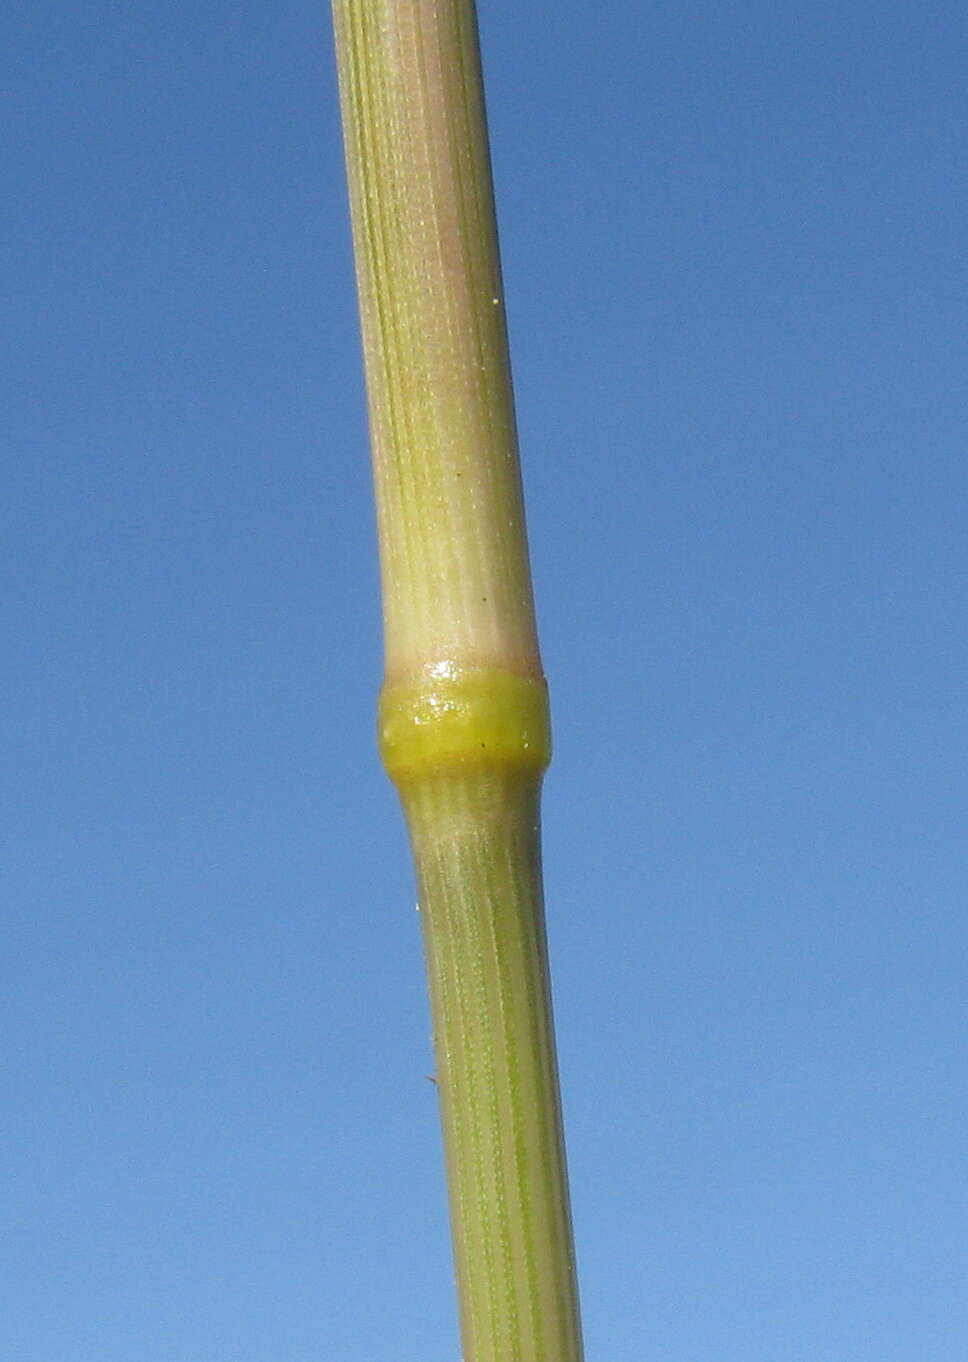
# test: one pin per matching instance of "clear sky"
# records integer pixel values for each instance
(735, 252)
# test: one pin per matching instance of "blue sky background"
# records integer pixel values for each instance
(735, 253)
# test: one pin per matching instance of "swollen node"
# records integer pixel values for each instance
(452, 719)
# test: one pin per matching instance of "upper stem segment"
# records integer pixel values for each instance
(456, 580)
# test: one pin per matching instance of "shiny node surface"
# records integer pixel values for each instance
(454, 718)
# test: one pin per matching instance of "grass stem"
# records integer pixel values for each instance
(464, 729)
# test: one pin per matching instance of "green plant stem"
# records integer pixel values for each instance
(476, 846)
(455, 573)
(464, 729)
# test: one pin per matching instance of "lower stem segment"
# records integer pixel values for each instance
(475, 838)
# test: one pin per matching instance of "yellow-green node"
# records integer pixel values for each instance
(453, 719)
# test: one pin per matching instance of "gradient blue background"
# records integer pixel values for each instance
(735, 252)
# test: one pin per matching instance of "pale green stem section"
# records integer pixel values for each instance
(456, 581)
(476, 846)
(464, 729)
